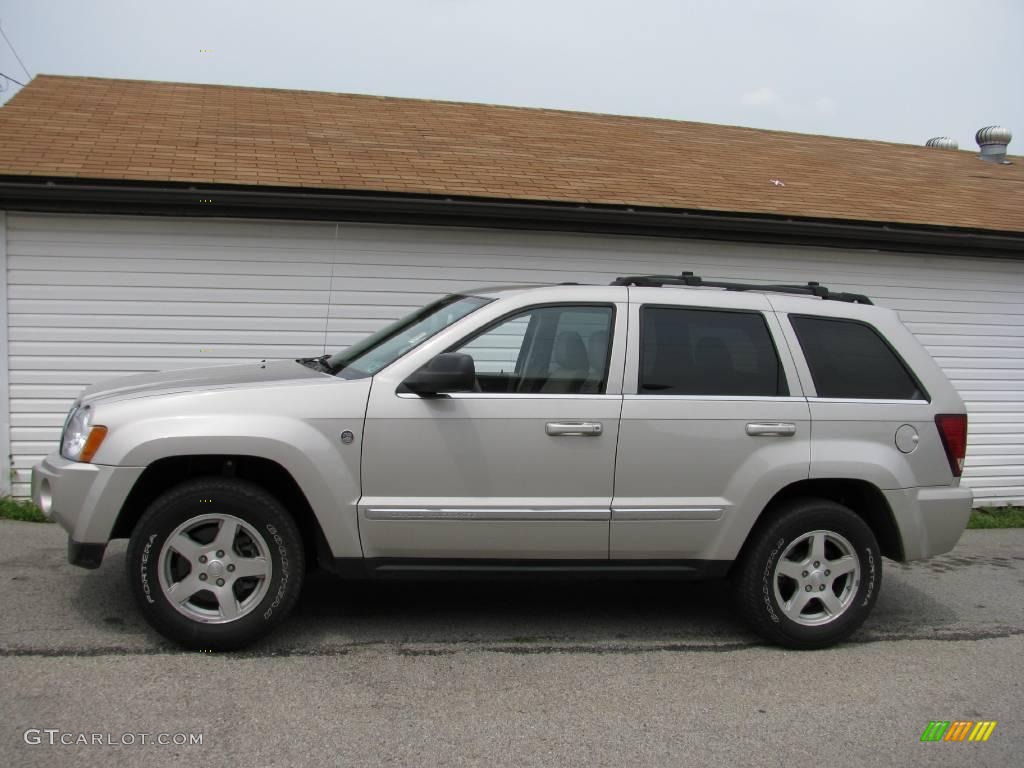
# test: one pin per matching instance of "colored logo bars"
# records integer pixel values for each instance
(958, 730)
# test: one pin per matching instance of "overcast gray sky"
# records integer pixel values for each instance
(896, 70)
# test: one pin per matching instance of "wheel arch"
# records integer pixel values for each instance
(862, 497)
(166, 473)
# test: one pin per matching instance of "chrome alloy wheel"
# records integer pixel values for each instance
(817, 578)
(215, 568)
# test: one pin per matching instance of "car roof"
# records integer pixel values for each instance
(505, 291)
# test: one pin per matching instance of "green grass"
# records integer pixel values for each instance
(18, 509)
(997, 517)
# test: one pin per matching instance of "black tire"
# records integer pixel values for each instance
(279, 553)
(759, 585)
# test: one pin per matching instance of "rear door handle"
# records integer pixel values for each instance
(771, 429)
(574, 428)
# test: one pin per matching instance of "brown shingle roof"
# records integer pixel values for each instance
(138, 130)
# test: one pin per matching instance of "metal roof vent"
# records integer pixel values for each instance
(993, 141)
(942, 142)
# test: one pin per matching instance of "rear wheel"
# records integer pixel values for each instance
(812, 576)
(215, 563)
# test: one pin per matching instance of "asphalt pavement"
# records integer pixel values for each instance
(598, 673)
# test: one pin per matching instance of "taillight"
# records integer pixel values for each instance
(953, 431)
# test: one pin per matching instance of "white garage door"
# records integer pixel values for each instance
(90, 297)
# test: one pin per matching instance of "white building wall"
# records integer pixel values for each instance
(6, 459)
(90, 297)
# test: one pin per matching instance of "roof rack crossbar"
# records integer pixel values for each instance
(695, 281)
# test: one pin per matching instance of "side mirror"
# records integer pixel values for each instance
(448, 372)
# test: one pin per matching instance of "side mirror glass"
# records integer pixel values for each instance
(448, 372)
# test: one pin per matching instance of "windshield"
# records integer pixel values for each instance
(388, 344)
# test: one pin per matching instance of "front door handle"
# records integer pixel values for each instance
(574, 428)
(771, 429)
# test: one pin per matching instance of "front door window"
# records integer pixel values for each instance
(547, 350)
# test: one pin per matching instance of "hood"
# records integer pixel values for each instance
(213, 377)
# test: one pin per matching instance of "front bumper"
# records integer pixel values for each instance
(85, 499)
(930, 520)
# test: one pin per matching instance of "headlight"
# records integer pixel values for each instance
(81, 439)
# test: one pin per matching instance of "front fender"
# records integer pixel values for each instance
(326, 471)
(296, 425)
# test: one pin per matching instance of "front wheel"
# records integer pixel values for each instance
(812, 576)
(215, 563)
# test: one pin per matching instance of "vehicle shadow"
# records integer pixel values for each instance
(521, 610)
(339, 613)
(334, 614)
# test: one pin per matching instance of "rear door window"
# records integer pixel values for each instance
(710, 352)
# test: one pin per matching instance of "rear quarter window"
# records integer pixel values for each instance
(851, 360)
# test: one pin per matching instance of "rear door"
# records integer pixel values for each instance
(713, 424)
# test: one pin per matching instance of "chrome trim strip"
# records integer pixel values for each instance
(666, 513)
(510, 395)
(489, 513)
(865, 400)
(724, 398)
(759, 399)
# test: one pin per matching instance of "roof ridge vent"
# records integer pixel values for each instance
(942, 142)
(993, 140)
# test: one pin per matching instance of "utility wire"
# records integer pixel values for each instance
(8, 77)
(9, 45)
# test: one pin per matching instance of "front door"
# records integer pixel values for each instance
(520, 469)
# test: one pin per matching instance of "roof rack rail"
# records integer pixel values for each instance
(695, 281)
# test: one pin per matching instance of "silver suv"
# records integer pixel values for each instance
(785, 437)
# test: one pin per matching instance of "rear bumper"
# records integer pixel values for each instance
(930, 520)
(85, 499)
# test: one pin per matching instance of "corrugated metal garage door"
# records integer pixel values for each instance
(92, 297)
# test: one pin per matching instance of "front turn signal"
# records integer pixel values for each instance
(92, 443)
